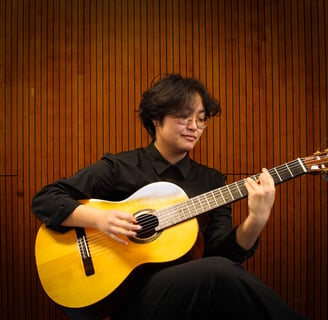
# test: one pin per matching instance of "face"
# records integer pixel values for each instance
(176, 136)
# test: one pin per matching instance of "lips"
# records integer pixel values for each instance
(190, 138)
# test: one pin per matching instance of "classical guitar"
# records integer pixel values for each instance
(83, 266)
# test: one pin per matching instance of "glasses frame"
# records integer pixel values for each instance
(186, 121)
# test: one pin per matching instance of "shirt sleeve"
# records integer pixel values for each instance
(220, 237)
(56, 201)
(220, 234)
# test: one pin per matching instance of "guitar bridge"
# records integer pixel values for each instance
(84, 251)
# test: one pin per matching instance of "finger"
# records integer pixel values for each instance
(118, 239)
(120, 232)
(266, 178)
(117, 233)
(125, 225)
(250, 184)
(124, 220)
(125, 216)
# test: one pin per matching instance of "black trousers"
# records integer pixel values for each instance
(208, 288)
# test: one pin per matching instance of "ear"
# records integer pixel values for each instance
(155, 122)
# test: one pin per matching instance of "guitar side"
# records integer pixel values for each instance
(60, 266)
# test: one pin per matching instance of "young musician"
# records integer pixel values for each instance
(175, 111)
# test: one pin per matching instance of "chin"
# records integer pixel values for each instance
(188, 147)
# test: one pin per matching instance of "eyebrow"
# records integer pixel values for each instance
(191, 113)
(201, 111)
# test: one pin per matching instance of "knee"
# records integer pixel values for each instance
(222, 270)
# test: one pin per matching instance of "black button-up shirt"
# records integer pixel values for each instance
(116, 177)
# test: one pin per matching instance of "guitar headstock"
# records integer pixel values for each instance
(317, 163)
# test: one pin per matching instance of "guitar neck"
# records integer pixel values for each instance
(224, 195)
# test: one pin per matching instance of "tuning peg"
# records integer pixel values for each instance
(318, 152)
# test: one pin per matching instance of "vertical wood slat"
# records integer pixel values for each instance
(71, 78)
(3, 206)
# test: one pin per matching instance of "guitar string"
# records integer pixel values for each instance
(228, 193)
(177, 213)
(165, 214)
(181, 212)
(95, 244)
(280, 174)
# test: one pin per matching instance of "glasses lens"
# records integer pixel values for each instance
(202, 123)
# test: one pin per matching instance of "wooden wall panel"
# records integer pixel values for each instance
(71, 77)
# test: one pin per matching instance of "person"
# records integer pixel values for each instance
(175, 111)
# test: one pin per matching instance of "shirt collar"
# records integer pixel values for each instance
(161, 164)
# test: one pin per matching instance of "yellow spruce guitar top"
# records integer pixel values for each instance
(83, 266)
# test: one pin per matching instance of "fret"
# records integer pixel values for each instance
(204, 205)
(197, 206)
(208, 204)
(285, 172)
(289, 171)
(243, 188)
(200, 204)
(188, 209)
(228, 197)
(278, 174)
(232, 197)
(236, 184)
(175, 217)
(182, 210)
(193, 204)
(215, 199)
(236, 191)
(302, 165)
(223, 195)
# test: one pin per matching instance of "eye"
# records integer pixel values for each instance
(203, 119)
(183, 116)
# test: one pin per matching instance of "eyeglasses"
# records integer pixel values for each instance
(201, 122)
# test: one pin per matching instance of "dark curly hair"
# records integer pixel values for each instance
(172, 95)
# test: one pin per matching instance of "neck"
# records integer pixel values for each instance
(169, 155)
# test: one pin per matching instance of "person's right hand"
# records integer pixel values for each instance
(117, 224)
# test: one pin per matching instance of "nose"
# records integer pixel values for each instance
(192, 123)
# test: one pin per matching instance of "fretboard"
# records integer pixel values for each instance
(221, 196)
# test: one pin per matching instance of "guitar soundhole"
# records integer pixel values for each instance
(148, 222)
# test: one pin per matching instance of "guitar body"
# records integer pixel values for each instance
(60, 266)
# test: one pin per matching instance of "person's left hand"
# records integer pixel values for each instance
(261, 195)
